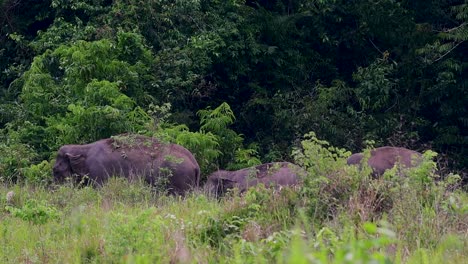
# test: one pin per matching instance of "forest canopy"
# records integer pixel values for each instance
(237, 82)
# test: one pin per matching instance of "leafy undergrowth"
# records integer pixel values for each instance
(337, 215)
(123, 223)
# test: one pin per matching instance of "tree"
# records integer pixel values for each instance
(84, 92)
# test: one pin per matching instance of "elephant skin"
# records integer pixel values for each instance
(130, 156)
(269, 174)
(385, 158)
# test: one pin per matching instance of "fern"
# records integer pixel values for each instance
(217, 119)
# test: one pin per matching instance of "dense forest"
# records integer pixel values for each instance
(236, 80)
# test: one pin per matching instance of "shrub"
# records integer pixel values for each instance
(82, 92)
(328, 184)
(38, 174)
(351, 246)
(35, 212)
(14, 157)
(214, 146)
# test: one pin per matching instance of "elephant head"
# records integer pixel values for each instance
(219, 182)
(355, 159)
(69, 161)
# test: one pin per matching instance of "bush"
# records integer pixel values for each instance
(351, 246)
(38, 174)
(329, 184)
(214, 146)
(35, 212)
(82, 92)
(14, 157)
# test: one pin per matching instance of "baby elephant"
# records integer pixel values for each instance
(270, 174)
(384, 158)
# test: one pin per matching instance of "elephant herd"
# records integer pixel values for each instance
(138, 157)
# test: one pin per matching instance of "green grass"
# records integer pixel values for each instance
(339, 214)
(129, 223)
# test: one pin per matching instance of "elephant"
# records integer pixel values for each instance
(269, 174)
(130, 156)
(384, 158)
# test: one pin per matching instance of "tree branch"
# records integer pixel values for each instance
(446, 53)
(451, 29)
(377, 48)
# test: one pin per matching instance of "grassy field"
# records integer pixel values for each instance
(129, 223)
(337, 215)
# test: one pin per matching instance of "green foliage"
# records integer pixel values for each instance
(38, 173)
(375, 89)
(390, 71)
(137, 236)
(319, 157)
(119, 190)
(245, 158)
(332, 189)
(334, 192)
(105, 111)
(19, 23)
(84, 92)
(444, 88)
(448, 245)
(61, 32)
(19, 156)
(35, 212)
(241, 221)
(349, 70)
(328, 184)
(217, 122)
(124, 222)
(204, 146)
(214, 146)
(328, 247)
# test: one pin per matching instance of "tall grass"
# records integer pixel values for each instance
(338, 215)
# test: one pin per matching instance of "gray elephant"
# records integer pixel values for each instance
(269, 174)
(384, 158)
(130, 156)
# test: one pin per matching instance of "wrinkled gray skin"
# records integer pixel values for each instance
(385, 158)
(270, 174)
(142, 158)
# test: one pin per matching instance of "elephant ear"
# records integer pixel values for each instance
(224, 184)
(76, 163)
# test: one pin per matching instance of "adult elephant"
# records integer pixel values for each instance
(130, 156)
(384, 158)
(269, 174)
